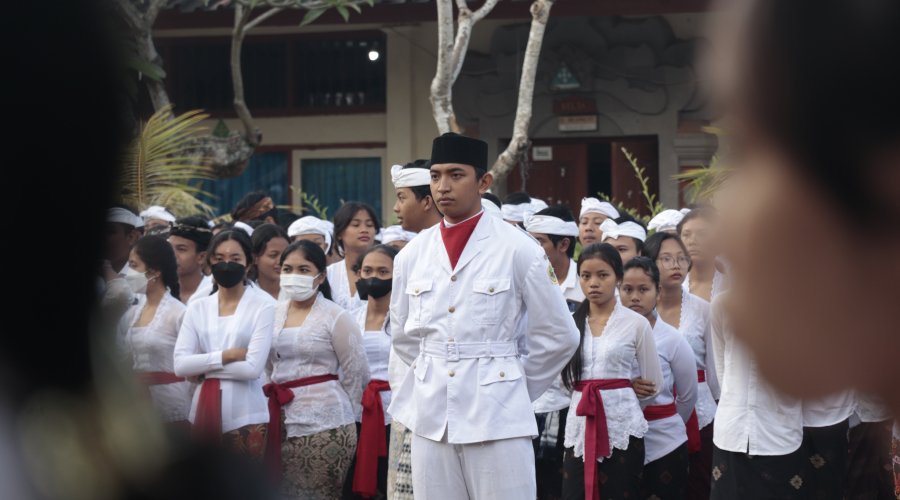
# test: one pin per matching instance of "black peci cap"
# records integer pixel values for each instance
(455, 148)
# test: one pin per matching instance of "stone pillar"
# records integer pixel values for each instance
(399, 119)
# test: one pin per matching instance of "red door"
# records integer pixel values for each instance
(626, 187)
(562, 180)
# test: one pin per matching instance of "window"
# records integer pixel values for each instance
(267, 172)
(341, 72)
(334, 180)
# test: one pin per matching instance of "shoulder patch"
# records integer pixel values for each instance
(552, 275)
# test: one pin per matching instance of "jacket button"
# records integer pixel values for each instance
(451, 340)
(417, 290)
(491, 290)
(414, 367)
(452, 309)
(502, 374)
(451, 373)
(453, 278)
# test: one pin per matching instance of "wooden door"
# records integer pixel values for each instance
(562, 180)
(626, 187)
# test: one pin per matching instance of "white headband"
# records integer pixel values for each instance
(157, 212)
(311, 225)
(117, 214)
(517, 213)
(245, 227)
(538, 204)
(593, 205)
(612, 230)
(547, 224)
(492, 209)
(410, 177)
(685, 211)
(396, 233)
(667, 220)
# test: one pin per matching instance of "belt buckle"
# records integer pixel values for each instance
(452, 351)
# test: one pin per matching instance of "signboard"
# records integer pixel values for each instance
(574, 105)
(577, 123)
(564, 80)
(542, 153)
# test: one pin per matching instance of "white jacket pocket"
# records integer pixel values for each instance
(421, 301)
(492, 370)
(490, 300)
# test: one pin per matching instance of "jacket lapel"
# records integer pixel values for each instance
(476, 241)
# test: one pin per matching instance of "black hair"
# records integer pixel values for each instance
(516, 199)
(654, 243)
(225, 226)
(197, 221)
(158, 255)
(385, 249)
(699, 212)
(645, 264)
(830, 122)
(625, 217)
(237, 235)
(560, 212)
(344, 216)
(260, 238)
(251, 199)
(492, 197)
(255, 223)
(128, 228)
(286, 219)
(571, 374)
(316, 256)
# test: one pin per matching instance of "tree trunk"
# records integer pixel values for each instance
(540, 13)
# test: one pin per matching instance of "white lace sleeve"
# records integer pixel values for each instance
(347, 342)
(648, 360)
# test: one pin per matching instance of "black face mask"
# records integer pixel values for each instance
(228, 274)
(375, 287)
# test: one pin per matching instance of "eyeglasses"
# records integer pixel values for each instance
(669, 262)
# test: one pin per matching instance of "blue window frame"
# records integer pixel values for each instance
(267, 172)
(334, 179)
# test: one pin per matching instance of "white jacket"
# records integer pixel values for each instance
(478, 374)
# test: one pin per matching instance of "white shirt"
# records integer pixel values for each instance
(752, 417)
(203, 290)
(340, 287)
(152, 348)
(203, 337)
(719, 284)
(871, 408)
(694, 325)
(571, 286)
(679, 371)
(500, 275)
(328, 342)
(829, 410)
(378, 352)
(626, 337)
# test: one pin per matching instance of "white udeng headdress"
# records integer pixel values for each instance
(246, 227)
(612, 230)
(593, 205)
(311, 225)
(117, 214)
(157, 212)
(491, 208)
(667, 220)
(538, 204)
(517, 213)
(547, 224)
(410, 177)
(396, 233)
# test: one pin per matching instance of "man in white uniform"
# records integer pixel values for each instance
(555, 229)
(461, 289)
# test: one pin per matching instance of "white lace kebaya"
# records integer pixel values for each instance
(152, 348)
(719, 284)
(340, 287)
(626, 337)
(378, 352)
(327, 343)
(694, 325)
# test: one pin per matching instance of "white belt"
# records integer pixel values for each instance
(455, 351)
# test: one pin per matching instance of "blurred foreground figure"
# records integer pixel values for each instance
(808, 230)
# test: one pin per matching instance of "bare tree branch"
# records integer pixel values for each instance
(241, 16)
(540, 12)
(262, 17)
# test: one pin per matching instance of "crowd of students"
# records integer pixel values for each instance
(322, 352)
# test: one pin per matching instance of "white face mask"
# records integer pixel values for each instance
(299, 287)
(137, 281)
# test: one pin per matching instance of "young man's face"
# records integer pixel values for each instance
(457, 190)
(409, 210)
(554, 252)
(186, 255)
(118, 241)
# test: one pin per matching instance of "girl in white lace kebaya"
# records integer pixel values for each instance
(318, 371)
(355, 227)
(369, 472)
(604, 436)
(690, 315)
(149, 329)
(706, 278)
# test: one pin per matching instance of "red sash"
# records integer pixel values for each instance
(659, 412)
(596, 432)
(146, 379)
(280, 395)
(372, 440)
(208, 417)
(693, 425)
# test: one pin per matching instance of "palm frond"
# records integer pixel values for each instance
(156, 169)
(704, 182)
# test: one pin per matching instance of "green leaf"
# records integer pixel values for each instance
(354, 7)
(370, 2)
(253, 3)
(149, 69)
(343, 12)
(333, 3)
(313, 15)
